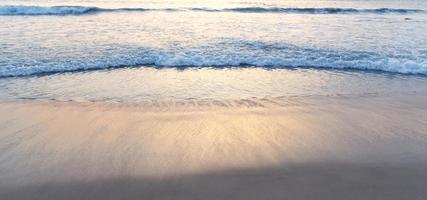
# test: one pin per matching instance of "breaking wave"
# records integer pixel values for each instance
(81, 10)
(222, 54)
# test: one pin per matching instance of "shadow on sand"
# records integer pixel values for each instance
(323, 181)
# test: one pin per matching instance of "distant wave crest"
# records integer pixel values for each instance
(323, 10)
(39, 10)
(81, 10)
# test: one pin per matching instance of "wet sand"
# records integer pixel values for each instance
(324, 147)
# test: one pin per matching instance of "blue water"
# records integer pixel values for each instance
(136, 50)
(39, 37)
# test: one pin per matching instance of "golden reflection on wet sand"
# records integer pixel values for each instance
(51, 143)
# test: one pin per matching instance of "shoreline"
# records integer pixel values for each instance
(204, 84)
(366, 147)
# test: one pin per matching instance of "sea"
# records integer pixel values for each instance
(149, 50)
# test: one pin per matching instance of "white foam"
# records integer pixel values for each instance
(239, 53)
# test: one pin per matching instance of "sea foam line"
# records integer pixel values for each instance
(81, 10)
(258, 55)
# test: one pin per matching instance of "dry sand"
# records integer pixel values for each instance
(341, 147)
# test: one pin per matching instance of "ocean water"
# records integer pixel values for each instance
(50, 48)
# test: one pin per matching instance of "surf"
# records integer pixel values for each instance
(17, 10)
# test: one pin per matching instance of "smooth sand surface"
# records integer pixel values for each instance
(337, 147)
